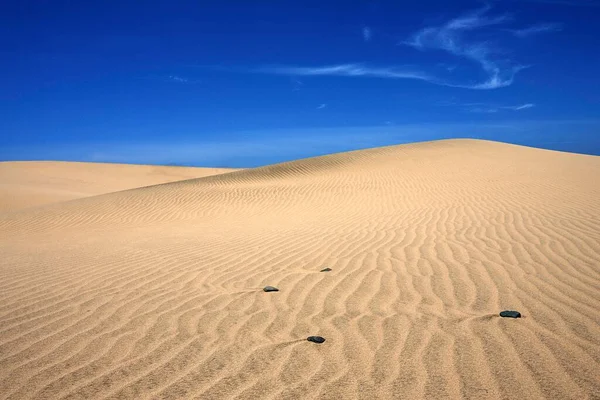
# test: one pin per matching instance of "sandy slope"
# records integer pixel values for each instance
(156, 292)
(26, 184)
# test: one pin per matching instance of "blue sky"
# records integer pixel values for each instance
(242, 84)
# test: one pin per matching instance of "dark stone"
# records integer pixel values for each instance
(270, 289)
(315, 339)
(510, 314)
(326, 269)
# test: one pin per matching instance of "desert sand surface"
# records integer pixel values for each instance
(157, 293)
(25, 184)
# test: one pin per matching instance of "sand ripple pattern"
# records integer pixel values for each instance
(155, 293)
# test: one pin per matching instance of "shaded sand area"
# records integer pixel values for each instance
(157, 292)
(26, 184)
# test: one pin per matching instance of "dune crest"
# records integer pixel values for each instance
(157, 292)
(25, 184)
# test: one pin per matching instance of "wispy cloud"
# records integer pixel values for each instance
(367, 33)
(178, 79)
(321, 106)
(454, 37)
(584, 3)
(347, 70)
(394, 72)
(296, 84)
(448, 67)
(483, 108)
(450, 37)
(519, 107)
(536, 29)
(175, 79)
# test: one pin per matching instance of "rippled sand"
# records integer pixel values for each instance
(156, 292)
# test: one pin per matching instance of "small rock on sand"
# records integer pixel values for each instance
(315, 339)
(510, 314)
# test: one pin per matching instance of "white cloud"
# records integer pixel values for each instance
(367, 33)
(483, 110)
(360, 70)
(296, 84)
(519, 107)
(454, 37)
(179, 79)
(589, 3)
(321, 106)
(346, 70)
(536, 29)
(487, 108)
(450, 37)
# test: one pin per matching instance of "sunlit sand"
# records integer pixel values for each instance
(116, 284)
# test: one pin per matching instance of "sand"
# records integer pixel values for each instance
(157, 292)
(25, 184)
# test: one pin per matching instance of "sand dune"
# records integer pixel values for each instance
(156, 292)
(26, 184)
